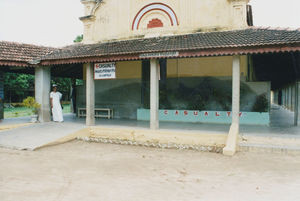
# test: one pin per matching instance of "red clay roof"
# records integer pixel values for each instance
(246, 41)
(260, 40)
(21, 54)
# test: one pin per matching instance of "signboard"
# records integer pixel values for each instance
(159, 54)
(104, 71)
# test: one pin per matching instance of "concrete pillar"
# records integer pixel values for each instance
(286, 97)
(154, 94)
(296, 107)
(289, 98)
(42, 91)
(282, 97)
(232, 139)
(272, 97)
(90, 95)
(1, 95)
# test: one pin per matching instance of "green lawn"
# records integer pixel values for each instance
(23, 111)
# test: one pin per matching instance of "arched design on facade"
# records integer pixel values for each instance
(151, 7)
(154, 23)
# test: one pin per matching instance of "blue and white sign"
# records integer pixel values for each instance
(104, 71)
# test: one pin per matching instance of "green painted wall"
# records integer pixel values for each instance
(188, 86)
(121, 95)
(195, 116)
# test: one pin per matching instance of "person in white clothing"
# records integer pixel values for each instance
(56, 107)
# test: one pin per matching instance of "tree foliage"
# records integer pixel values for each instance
(78, 38)
(17, 86)
(18, 81)
(30, 102)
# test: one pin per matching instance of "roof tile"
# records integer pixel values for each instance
(206, 42)
(226, 39)
(18, 52)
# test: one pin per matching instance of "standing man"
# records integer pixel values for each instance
(56, 106)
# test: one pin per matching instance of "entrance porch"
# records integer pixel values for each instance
(242, 56)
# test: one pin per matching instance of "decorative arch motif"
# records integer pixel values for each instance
(155, 6)
(154, 23)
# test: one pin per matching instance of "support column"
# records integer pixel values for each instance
(232, 139)
(296, 107)
(154, 94)
(90, 95)
(1, 95)
(42, 91)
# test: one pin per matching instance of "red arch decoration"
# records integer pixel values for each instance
(154, 23)
(158, 3)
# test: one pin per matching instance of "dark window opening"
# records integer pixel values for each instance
(249, 15)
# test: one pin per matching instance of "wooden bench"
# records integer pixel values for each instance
(98, 112)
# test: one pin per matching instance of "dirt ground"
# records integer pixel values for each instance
(81, 171)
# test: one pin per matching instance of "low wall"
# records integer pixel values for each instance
(247, 118)
(121, 95)
(180, 139)
(126, 96)
(213, 94)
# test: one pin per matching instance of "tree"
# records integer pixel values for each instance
(17, 86)
(78, 39)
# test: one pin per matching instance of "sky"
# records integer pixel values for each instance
(55, 23)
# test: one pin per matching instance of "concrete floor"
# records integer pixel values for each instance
(281, 125)
(36, 135)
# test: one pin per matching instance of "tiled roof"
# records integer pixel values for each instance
(251, 37)
(18, 52)
(246, 41)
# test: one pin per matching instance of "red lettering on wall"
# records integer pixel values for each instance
(196, 113)
(166, 112)
(217, 114)
(176, 113)
(206, 114)
(229, 113)
(185, 113)
(154, 23)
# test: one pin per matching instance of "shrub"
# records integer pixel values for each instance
(32, 104)
(261, 104)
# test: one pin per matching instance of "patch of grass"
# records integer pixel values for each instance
(17, 112)
(25, 112)
(67, 108)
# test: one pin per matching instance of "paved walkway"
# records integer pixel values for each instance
(31, 137)
(281, 124)
(14, 121)
(34, 136)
